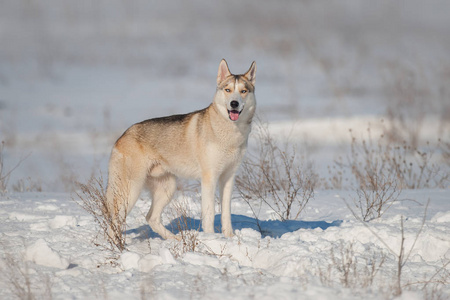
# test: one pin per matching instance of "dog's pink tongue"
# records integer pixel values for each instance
(234, 115)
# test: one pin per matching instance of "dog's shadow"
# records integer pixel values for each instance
(272, 228)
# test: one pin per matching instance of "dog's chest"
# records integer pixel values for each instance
(228, 148)
(233, 135)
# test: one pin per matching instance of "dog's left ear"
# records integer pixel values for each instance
(251, 73)
(224, 72)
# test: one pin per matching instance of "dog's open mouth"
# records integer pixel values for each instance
(234, 114)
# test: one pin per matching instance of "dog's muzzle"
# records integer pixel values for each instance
(233, 114)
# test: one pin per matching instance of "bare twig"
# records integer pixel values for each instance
(92, 198)
(402, 256)
(5, 175)
(279, 174)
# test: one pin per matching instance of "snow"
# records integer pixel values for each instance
(74, 76)
(287, 262)
(442, 217)
(41, 254)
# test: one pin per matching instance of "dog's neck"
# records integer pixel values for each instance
(236, 131)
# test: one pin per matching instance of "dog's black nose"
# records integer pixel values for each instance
(234, 104)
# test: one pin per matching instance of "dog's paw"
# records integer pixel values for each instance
(228, 233)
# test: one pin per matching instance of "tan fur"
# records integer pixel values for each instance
(205, 145)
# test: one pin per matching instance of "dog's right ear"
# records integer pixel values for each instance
(224, 72)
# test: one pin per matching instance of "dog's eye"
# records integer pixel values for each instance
(243, 91)
(227, 90)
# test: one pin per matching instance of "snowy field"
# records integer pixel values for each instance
(75, 74)
(51, 241)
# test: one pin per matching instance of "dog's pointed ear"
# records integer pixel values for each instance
(224, 72)
(251, 73)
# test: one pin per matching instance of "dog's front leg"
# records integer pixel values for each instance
(208, 192)
(226, 189)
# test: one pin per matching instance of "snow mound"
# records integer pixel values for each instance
(130, 260)
(148, 262)
(41, 254)
(39, 226)
(441, 217)
(200, 260)
(167, 257)
(61, 221)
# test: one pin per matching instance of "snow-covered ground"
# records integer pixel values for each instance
(48, 240)
(74, 75)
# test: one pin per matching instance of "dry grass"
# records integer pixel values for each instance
(364, 271)
(276, 173)
(378, 164)
(27, 185)
(14, 270)
(6, 174)
(188, 240)
(408, 93)
(188, 237)
(402, 255)
(433, 286)
(378, 169)
(377, 186)
(92, 198)
(352, 271)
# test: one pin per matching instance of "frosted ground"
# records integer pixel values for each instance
(74, 75)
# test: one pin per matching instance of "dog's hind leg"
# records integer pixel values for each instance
(126, 179)
(162, 189)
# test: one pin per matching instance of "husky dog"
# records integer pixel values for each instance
(208, 144)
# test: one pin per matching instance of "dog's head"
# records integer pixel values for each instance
(235, 95)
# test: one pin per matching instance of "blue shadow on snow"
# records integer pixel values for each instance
(272, 228)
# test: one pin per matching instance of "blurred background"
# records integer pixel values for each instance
(75, 74)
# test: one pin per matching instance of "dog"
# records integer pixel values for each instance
(207, 144)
